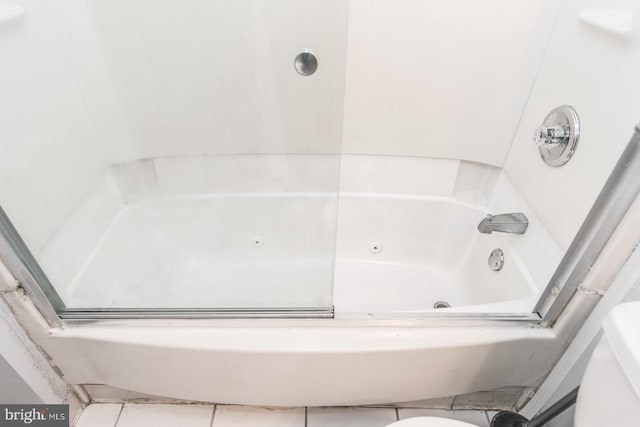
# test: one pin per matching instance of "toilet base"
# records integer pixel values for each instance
(509, 419)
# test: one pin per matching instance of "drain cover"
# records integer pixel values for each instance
(496, 259)
(441, 304)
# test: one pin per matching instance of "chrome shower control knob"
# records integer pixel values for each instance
(551, 135)
(557, 138)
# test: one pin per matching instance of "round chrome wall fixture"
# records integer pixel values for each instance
(496, 259)
(306, 63)
(558, 137)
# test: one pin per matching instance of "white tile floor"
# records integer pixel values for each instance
(163, 415)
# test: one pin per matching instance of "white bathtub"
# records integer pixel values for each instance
(214, 251)
(178, 236)
(178, 243)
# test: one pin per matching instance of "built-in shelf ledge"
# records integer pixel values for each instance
(608, 19)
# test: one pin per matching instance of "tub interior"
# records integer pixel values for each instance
(178, 236)
(431, 252)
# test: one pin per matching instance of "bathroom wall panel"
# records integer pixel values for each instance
(15, 389)
(51, 153)
(217, 77)
(441, 78)
(597, 73)
(400, 175)
(86, 57)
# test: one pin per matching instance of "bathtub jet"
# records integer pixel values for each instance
(515, 223)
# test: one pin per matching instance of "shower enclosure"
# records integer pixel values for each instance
(278, 201)
(243, 159)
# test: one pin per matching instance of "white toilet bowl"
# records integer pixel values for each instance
(430, 422)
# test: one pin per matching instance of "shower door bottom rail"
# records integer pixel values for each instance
(198, 313)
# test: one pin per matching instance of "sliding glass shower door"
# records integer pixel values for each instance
(160, 156)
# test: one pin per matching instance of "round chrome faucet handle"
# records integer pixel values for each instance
(551, 136)
(558, 137)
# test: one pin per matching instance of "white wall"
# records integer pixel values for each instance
(51, 154)
(216, 77)
(211, 77)
(14, 388)
(597, 73)
(441, 78)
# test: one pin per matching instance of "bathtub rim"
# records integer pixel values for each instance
(208, 319)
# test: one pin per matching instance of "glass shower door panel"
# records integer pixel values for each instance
(259, 249)
(180, 160)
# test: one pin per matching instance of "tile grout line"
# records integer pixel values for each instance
(397, 414)
(119, 414)
(486, 415)
(213, 415)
